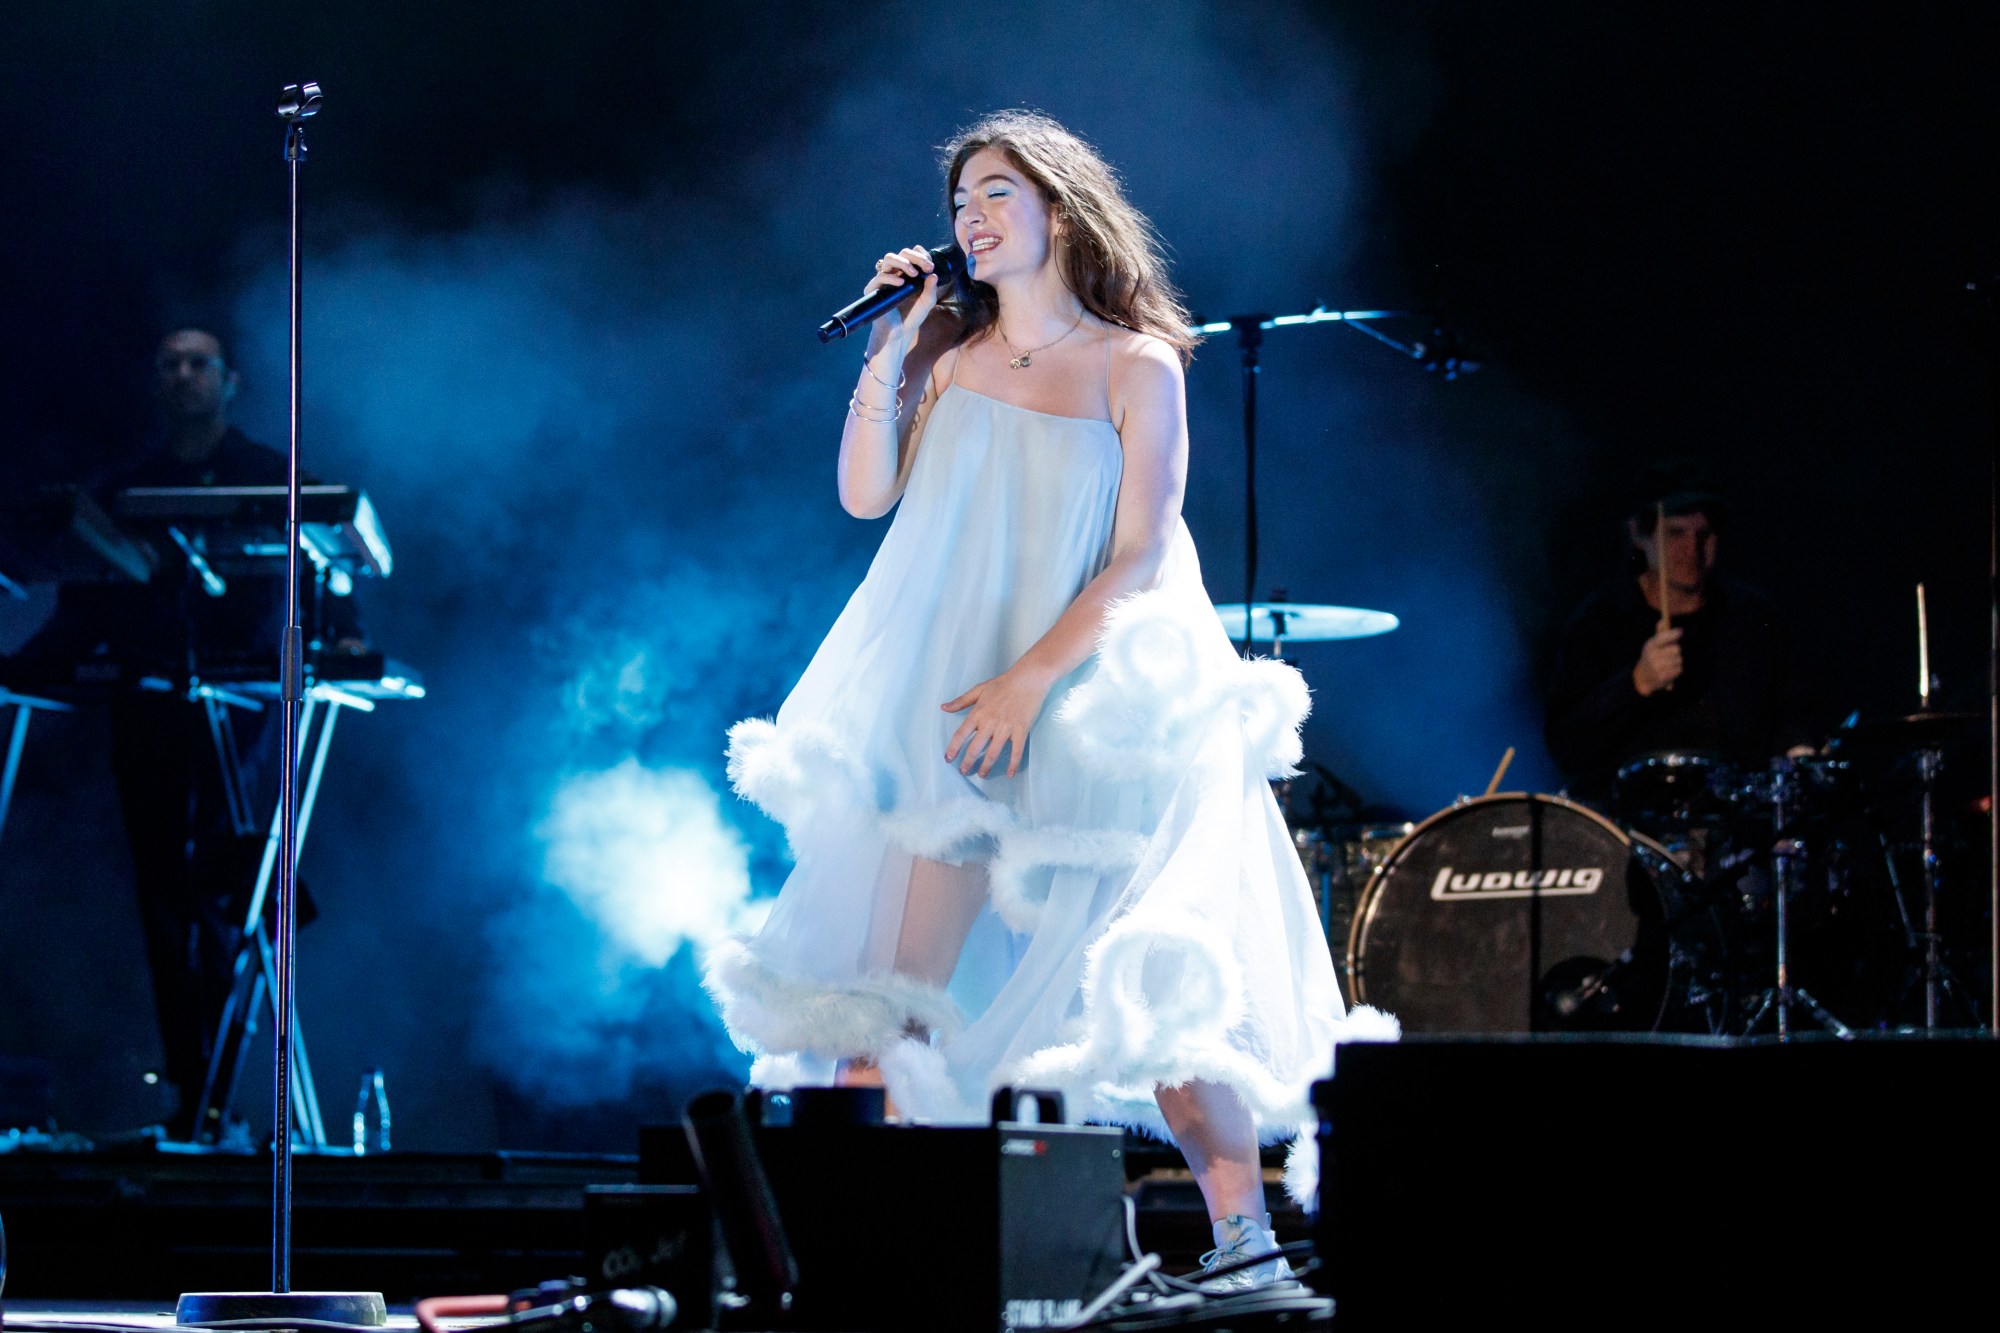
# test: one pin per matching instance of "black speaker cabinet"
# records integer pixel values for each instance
(1632, 1182)
(1012, 1226)
(653, 1236)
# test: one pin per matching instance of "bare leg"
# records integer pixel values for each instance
(860, 1072)
(943, 902)
(1219, 1140)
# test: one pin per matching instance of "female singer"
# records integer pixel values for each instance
(1025, 778)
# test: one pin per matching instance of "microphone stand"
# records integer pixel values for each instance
(296, 104)
(1984, 291)
(1441, 355)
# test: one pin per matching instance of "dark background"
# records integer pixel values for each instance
(563, 263)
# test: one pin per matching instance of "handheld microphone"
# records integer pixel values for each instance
(950, 264)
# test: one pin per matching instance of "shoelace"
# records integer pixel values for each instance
(1223, 1254)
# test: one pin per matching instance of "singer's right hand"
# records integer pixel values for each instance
(896, 269)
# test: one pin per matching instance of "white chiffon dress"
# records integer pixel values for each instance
(1148, 921)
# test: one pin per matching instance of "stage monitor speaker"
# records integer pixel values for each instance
(1639, 1181)
(904, 1228)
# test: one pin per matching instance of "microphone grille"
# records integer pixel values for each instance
(949, 261)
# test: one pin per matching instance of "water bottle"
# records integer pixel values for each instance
(373, 1088)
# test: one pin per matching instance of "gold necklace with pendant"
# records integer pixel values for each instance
(1022, 360)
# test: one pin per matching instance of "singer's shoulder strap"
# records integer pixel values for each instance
(937, 347)
(934, 361)
(944, 372)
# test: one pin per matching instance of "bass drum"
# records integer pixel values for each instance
(1525, 913)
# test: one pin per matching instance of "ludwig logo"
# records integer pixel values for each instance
(1514, 883)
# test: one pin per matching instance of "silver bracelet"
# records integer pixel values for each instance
(861, 410)
(901, 379)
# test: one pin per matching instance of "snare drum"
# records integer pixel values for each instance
(1525, 913)
(1673, 791)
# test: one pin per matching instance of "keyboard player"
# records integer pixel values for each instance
(191, 866)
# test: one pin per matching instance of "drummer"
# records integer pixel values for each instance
(1710, 675)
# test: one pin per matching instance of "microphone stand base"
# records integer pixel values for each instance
(341, 1307)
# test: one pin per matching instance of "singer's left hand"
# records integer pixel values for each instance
(998, 714)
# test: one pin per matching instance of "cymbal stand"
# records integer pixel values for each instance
(1912, 937)
(1927, 767)
(1939, 981)
(1441, 355)
(1782, 997)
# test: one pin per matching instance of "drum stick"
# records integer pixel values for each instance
(1923, 654)
(1501, 771)
(1660, 557)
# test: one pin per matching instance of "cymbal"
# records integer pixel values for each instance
(1304, 622)
(1916, 731)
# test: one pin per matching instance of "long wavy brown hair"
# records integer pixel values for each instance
(1107, 252)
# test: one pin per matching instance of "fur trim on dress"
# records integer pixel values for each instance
(1160, 1001)
(788, 772)
(1361, 1023)
(1140, 1032)
(1021, 871)
(943, 832)
(1302, 1167)
(1163, 679)
(766, 1012)
(778, 1073)
(920, 1084)
(1152, 988)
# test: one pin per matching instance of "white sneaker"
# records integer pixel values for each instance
(1237, 1238)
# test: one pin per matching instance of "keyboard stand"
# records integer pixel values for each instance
(25, 707)
(256, 962)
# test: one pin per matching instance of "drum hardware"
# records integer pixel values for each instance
(1786, 852)
(1332, 799)
(1912, 940)
(1773, 865)
(1442, 354)
(1577, 984)
(1341, 840)
(1923, 735)
(1340, 859)
(1715, 998)
(1939, 980)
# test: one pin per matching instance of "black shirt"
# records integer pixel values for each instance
(1734, 696)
